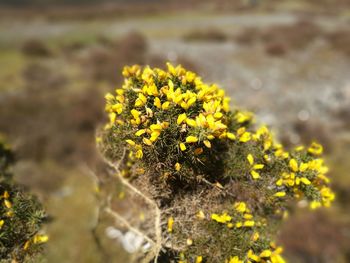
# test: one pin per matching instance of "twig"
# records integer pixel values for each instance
(157, 221)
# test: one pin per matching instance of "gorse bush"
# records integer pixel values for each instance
(21, 216)
(223, 185)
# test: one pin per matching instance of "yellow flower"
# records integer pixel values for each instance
(170, 224)
(191, 122)
(200, 215)
(254, 167)
(315, 205)
(181, 118)
(141, 100)
(249, 223)
(293, 165)
(139, 154)
(250, 159)
(140, 132)
(207, 143)
(165, 105)
(245, 137)
(315, 149)
(240, 207)
(109, 96)
(199, 259)
(135, 113)
(157, 103)
(210, 137)
(38, 239)
(305, 181)
(6, 195)
(131, 142)
(156, 127)
(266, 253)
(218, 115)
(191, 139)
(252, 256)
(117, 108)
(182, 146)
(147, 141)
(230, 135)
(7, 203)
(235, 259)
(280, 194)
(255, 236)
(255, 174)
(177, 167)
(243, 116)
(224, 218)
(26, 245)
(2, 222)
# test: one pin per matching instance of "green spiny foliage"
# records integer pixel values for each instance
(21, 216)
(224, 185)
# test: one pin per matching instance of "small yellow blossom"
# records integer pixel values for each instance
(170, 224)
(165, 105)
(191, 139)
(7, 203)
(157, 103)
(131, 142)
(147, 141)
(177, 167)
(315, 149)
(235, 259)
(280, 194)
(38, 239)
(26, 245)
(139, 154)
(199, 259)
(252, 256)
(182, 146)
(266, 253)
(249, 223)
(200, 215)
(293, 165)
(240, 207)
(230, 135)
(256, 236)
(181, 118)
(254, 167)
(224, 218)
(207, 143)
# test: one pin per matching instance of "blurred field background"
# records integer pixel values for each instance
(288, 61)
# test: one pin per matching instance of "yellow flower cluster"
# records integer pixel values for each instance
(242, 217)
(272, 255)
(5, 197)
(37, 239)
(304, 174)
(148, 99)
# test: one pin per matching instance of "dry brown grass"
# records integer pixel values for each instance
(36, 48)
(105, 61)
(316, 238)
(340, 41)
(207, 35)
